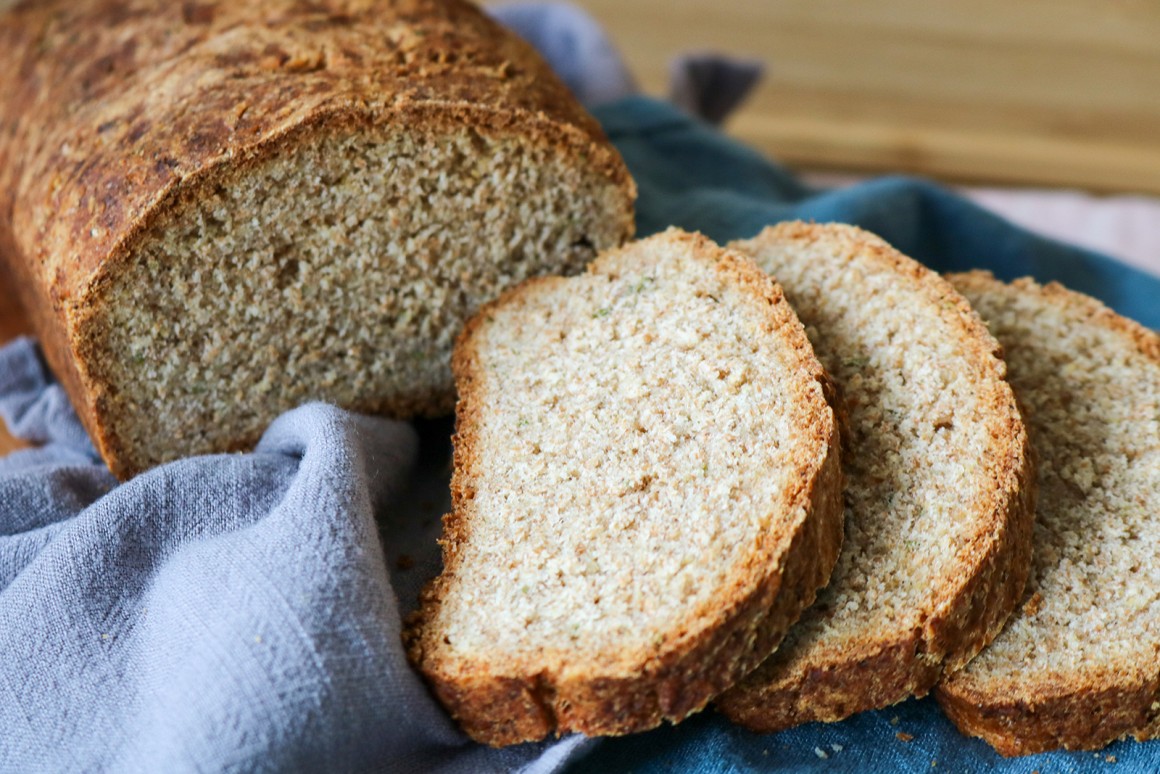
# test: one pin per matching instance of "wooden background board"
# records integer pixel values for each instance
(1029, 92)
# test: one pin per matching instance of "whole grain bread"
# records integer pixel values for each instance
(646, 494)
(940, 484)
(218, 210)
(1078, 666)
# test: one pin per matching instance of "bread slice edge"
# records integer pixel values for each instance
(908, 663)
(1084, 717)
(510, 707)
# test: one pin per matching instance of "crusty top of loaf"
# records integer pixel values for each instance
(92, 148)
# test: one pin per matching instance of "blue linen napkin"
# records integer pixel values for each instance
(242, 612)
(223, 613)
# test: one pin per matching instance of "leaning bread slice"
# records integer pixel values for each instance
(1079, 664)
(939, 483)
(646, 495)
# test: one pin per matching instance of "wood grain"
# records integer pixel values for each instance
(1036, 92)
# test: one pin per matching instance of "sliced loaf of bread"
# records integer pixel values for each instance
(217, 211)
(646, 494)
(939, 483)
(1079, 664)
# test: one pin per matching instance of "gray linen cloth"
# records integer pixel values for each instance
(223, 613)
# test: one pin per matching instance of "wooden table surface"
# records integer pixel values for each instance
(1031, 92)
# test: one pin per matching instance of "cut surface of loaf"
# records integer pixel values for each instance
(939, 483)
(221, 210)
(1078, 666)
(646, 494)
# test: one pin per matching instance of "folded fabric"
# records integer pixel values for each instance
(1125, 226)
(231, 612)
(575, 46)
(691, 176)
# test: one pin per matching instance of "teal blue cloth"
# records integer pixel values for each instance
(692, 176)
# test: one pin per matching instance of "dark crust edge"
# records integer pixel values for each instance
(1073, 715)
(969, 613)
(1083, 717)
(686, 673)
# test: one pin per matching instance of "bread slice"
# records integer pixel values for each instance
(646, 494)
(219, 211)
(1079, 665)
(940, 483)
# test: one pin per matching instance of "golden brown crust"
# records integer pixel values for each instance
(1144, 340)
(1077, 717)
(103, 132)
(1036, 715)
(970, 610)
(688, 670)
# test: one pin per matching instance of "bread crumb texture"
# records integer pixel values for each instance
(341, 271)
(1079, 665)
(636, 451)
(936, 464)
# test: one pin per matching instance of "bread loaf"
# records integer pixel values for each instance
(218, 210)
(940, 483)
(1078, 666)
(646, 494)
